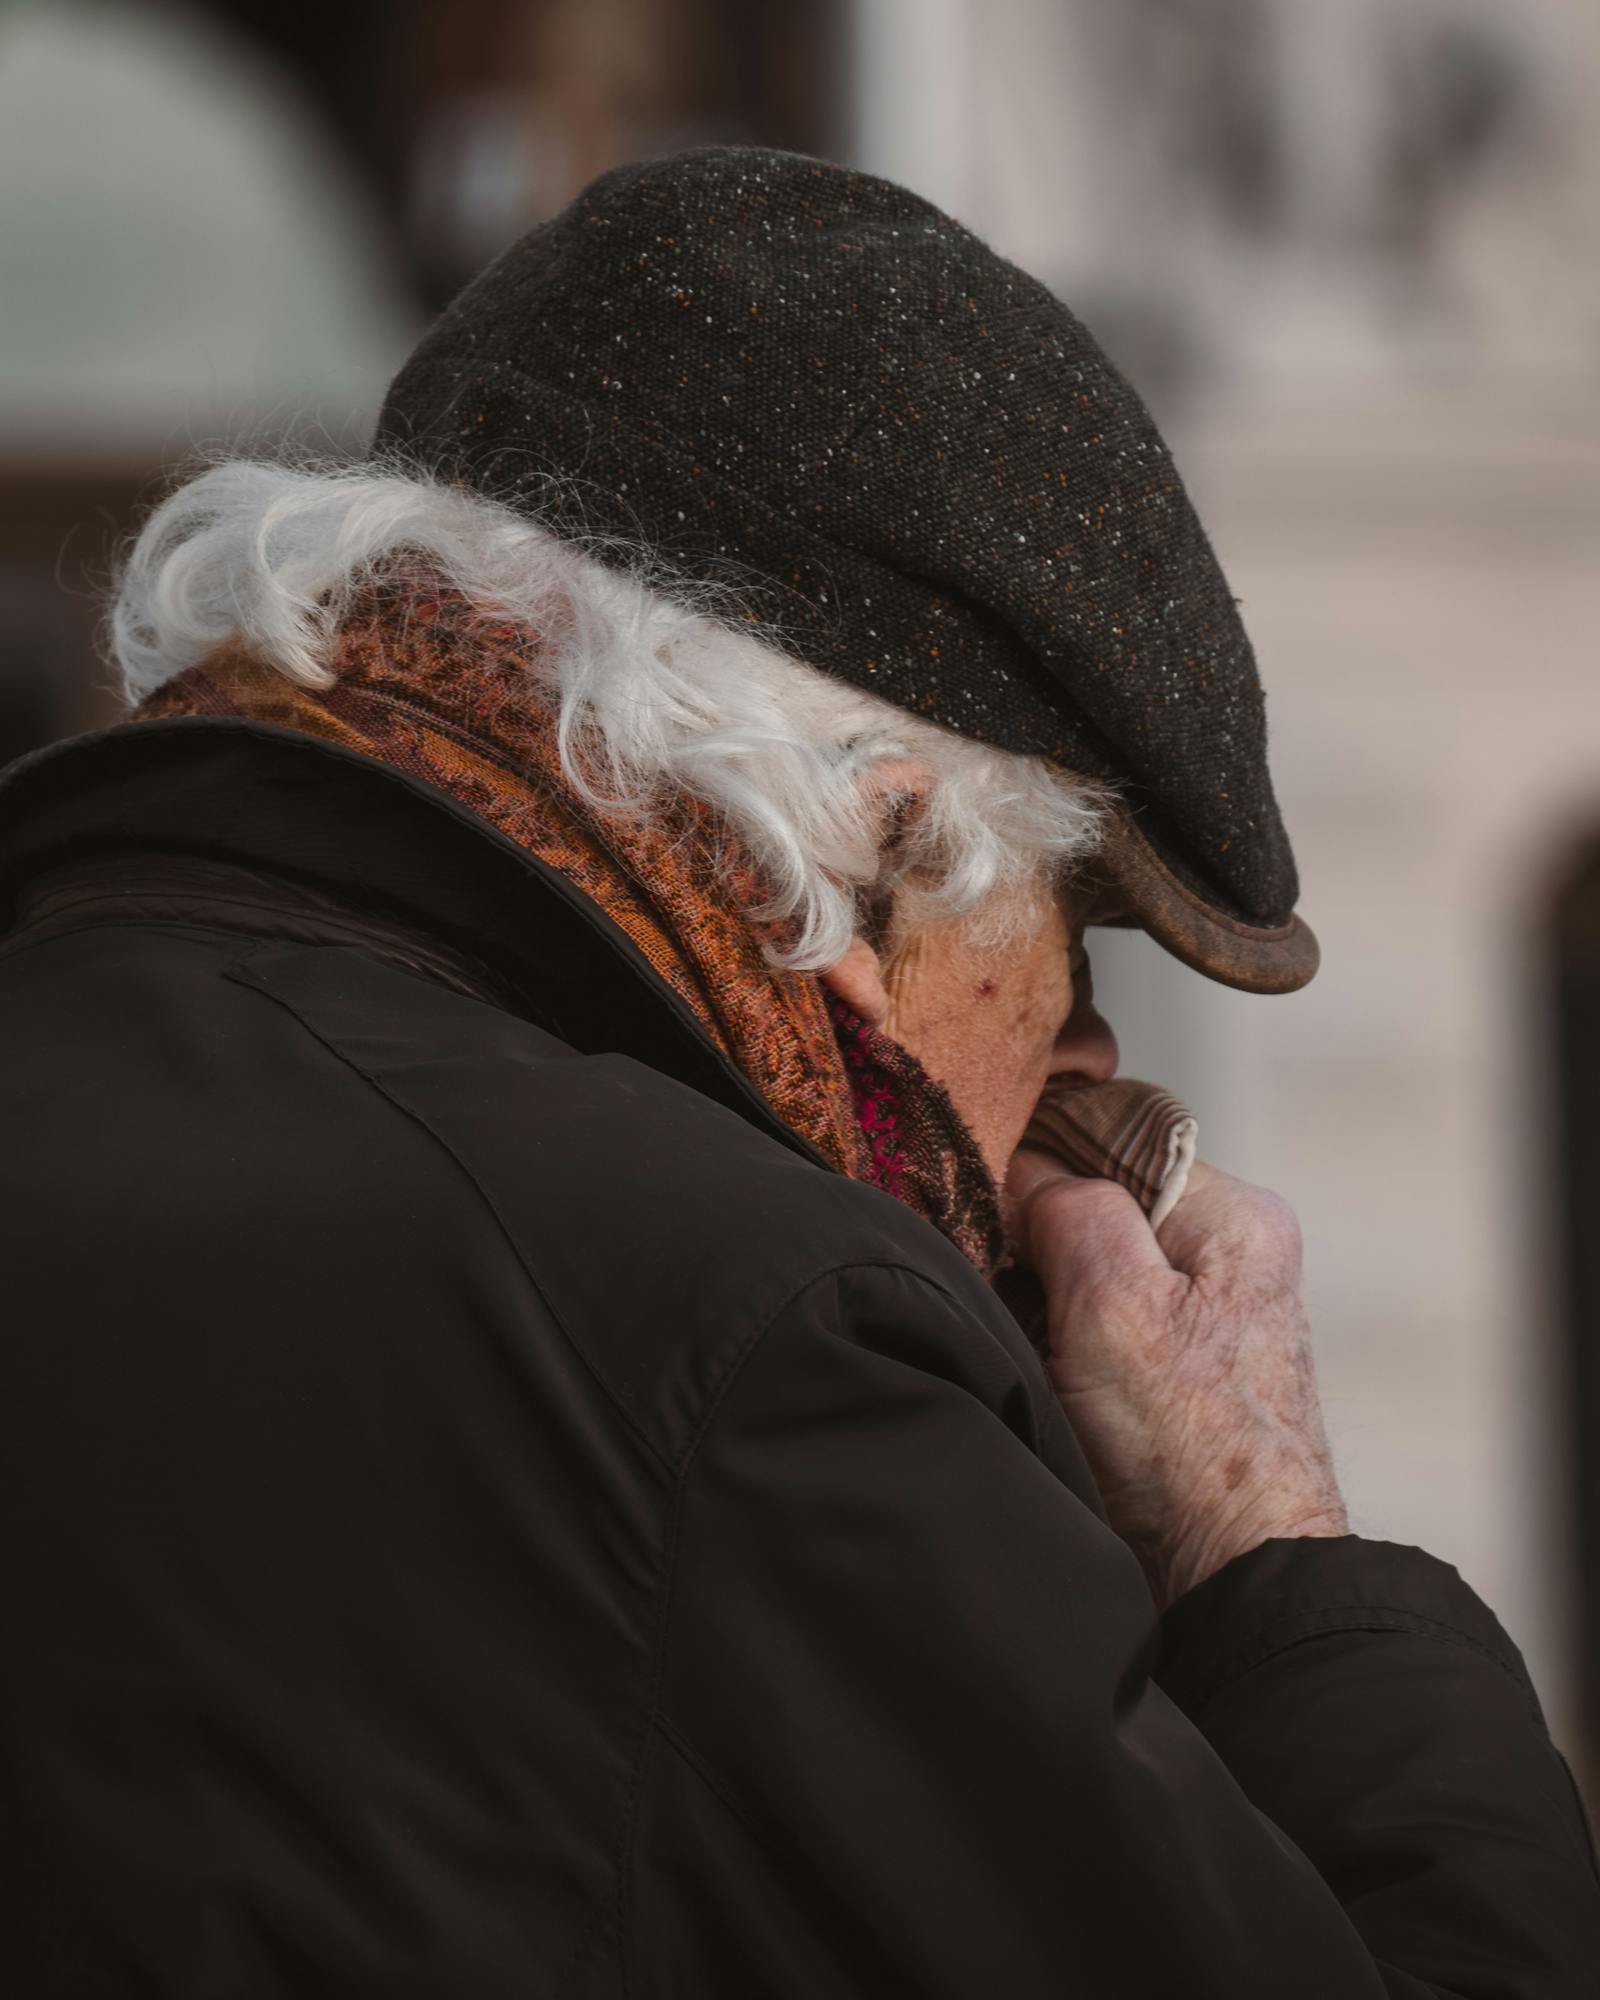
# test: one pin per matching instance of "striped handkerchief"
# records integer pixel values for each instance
(1134, 1133)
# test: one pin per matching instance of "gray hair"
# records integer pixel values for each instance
(658, 686)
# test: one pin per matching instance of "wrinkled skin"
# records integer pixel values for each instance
(993, 1026)
(1182, 1357)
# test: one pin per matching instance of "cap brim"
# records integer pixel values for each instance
(1144, 892)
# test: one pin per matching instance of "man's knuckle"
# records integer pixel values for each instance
(1274, 1222)
(1093, 1191)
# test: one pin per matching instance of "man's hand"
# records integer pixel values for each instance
(1182, 1358)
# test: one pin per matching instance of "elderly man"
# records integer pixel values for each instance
(519, 1478)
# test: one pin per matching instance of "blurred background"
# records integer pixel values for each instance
(1348, 251)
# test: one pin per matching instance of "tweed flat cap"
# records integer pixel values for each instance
(779, 373)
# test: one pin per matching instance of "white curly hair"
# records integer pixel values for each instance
(656, 684)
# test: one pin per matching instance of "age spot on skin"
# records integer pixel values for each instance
(986, 988)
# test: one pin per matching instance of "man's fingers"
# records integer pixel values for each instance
(1187, 1233)
(1031, 1170)
(1079, 1233)
(1222, 1221)
(1075, 1231)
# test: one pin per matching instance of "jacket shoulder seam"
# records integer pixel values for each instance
(634, 1429)
(737, 1364)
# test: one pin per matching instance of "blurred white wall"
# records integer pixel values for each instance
(1367, 312)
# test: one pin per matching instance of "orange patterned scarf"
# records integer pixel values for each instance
(436, 689)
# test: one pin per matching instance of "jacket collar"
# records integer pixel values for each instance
(379, 840)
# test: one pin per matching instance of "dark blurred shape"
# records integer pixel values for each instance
(30, 711)
(1574, 975)
(1224, 120)
(470, 123)
(356, 65)
(57, 527)
(1461, 100)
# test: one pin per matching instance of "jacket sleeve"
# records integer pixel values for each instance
(921, 1730)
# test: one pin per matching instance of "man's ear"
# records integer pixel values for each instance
(857, 979)
(893, 793)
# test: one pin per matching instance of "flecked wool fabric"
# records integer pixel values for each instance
(912, 458)
(432, 686)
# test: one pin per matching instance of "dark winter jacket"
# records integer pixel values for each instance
(485, 1512)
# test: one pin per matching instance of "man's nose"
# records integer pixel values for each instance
(1086, 1046)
